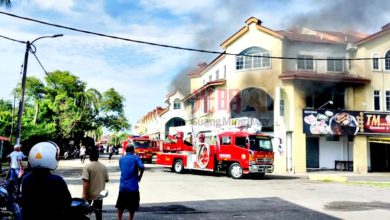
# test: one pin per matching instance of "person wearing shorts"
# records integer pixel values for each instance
(132, 169)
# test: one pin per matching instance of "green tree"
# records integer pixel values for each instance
(6, 3)
(5, 118)
(63, 109)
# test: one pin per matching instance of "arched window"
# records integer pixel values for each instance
(375, 62)
(387, 60)
(253, 58)
(176, 104)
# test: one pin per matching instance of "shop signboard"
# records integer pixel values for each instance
(340, 122)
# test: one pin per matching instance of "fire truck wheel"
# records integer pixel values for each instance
(178, 166)
(235, 171)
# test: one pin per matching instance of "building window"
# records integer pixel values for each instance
(210, 78)
(224, 71)
(305, 62)
(176, 104)
(253, 58)
(281, 107)
(206, 104)
(375, 62)
(387, 100)
(204, 82)
(387, 60)
(335, 65)
(217, 75)
(377, 100)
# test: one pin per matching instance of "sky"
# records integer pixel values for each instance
(142, 73)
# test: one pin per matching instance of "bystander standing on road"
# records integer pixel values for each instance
(16, 168)
(95, 176)
(132, 169)
(44, 195)
(83, 151)
(110, 151)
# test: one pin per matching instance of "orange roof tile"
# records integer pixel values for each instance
(385, 30)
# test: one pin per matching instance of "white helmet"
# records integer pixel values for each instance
(44, 155)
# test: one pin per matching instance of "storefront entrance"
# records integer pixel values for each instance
(380, 157)
(312, 152)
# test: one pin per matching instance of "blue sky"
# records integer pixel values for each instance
(142, 73)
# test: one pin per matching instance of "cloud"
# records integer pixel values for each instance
(63, 6)
(140, 72)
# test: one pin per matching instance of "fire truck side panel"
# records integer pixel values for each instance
(167, 159)
(205, 160)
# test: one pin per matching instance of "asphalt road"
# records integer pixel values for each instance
(197, 195)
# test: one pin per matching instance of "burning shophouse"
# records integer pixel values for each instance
(325, 109)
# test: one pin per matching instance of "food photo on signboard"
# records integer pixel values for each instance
(325, 122)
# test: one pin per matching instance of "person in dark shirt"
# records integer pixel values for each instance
(44, 195)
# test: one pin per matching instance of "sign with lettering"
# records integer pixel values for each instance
(339, 122)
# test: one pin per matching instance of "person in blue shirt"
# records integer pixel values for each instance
(132, 169)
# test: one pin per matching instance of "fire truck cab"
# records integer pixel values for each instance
(142, 147)
(236, 152)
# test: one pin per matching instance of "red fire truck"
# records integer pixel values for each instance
(235, 151)
(142, 147)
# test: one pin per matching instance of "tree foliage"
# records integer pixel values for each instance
(62, 108)
(6, 3)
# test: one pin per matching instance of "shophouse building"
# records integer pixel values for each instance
(299, 83)
(157, 122)
(372, 148)
(303, 87)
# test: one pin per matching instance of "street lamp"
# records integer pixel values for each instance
(21, 102)
(330, 102)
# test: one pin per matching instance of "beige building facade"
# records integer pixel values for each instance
(252, 79)
(324, 110)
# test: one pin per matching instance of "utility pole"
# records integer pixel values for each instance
(21, 102)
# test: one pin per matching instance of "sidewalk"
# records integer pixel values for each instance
(346, 176)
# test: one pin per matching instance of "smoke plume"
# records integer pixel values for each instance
(342, 15)
(218, 24)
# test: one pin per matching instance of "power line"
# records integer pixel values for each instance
(44, 70)
(8, 38)
(171, 46)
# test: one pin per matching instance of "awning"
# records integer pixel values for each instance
(204, 87)
(4, 138)
(383, 140)
(324, 77)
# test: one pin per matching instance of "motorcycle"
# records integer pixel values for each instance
(71, 154)
(9, 208)
(81, 209)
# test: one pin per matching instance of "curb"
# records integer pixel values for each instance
(328, 178)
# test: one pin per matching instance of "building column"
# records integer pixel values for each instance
(296, 103)
(360, 154)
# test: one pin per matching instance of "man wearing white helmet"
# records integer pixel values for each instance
(44, 195)
(16, 158)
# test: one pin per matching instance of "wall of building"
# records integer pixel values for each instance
(380, 79)
(265, 79)
(317, 50)
(329, 152)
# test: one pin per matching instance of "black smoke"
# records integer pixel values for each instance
(344, 15)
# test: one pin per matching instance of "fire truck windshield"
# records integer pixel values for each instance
(141, 144)
(260, 143)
